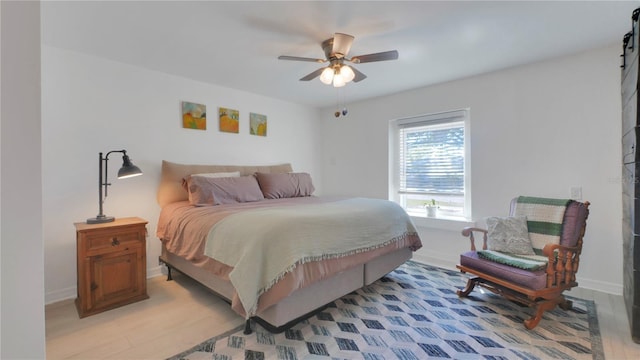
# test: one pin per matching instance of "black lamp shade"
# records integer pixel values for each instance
(128, 169)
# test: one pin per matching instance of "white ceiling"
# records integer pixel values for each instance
(235, 44)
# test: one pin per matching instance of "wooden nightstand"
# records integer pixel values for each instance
(112, 264)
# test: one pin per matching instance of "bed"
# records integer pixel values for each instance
(258, 237)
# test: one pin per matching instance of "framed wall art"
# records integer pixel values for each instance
(257, 124)
(229, 120)
(194, 116)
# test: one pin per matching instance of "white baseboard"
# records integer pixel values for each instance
(60, 295)
(597, 285)
(154, 271)
(434, 261)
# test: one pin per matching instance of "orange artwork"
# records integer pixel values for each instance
(194, 116)
(229, 120)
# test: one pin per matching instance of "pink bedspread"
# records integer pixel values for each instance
(183, 229)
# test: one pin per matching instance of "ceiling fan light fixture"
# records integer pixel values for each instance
(336, 51)
(327, 75)
(338, 80)
(347, 73)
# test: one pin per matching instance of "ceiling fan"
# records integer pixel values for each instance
(337, 72)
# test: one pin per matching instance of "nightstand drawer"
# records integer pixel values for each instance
(110, 241)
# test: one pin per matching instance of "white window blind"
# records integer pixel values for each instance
(432, 158)
(431, 162)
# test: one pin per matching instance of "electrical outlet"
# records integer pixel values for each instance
(576, 193)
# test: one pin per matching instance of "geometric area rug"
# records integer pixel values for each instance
(414, 313)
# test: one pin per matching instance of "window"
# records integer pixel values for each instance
(429, 162)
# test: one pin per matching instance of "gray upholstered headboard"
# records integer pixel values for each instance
(171, 190)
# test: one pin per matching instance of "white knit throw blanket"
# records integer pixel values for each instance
(544, 218)
(262, 245)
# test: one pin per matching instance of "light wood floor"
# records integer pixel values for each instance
(180, 314)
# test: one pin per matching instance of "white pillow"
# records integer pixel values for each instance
(219, 175)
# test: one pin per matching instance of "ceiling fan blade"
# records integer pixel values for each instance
(381, 56)
(342, 43)
(359, 76)
(313, 75)
(297, 58)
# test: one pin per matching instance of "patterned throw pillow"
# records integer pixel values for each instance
(509, 235)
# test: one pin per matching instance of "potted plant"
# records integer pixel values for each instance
(432, 208)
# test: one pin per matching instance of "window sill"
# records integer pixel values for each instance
(442, 223)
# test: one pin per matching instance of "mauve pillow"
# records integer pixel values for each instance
(285, 185)
(185, 183)
(205, 191)
(509, 235)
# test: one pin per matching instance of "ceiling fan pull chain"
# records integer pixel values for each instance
(337, 113)
(344, 105)
(344, 111)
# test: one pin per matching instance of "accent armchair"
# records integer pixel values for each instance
(505, 265)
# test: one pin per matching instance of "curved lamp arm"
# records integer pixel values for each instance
(127, 170)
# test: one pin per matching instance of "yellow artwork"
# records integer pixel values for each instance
(229, 120)
(194, 116)
(258, 124)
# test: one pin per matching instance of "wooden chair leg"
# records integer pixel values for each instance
(539, 306)
(543, 306)
(471, 283)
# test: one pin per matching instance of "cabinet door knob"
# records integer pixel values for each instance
(115, 241)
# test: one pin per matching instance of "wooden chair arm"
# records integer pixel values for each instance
(549, 250)
(468, 232)
(563, 263)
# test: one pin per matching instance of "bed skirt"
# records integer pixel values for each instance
(303, 302)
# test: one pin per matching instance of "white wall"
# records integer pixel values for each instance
(536, 130)
(21, 253)
(92, 105)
